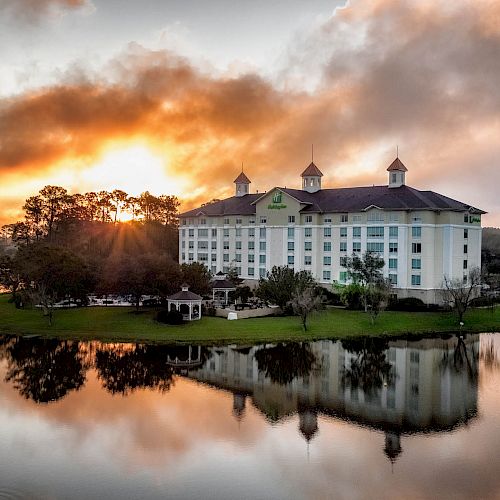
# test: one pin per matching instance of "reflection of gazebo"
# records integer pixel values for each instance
(221, 288)
(186, 302)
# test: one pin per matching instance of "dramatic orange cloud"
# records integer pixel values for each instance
(421, 75)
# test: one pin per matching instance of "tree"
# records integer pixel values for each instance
(281, 284)
(119, 199)
(9, 275)
(459, 293)
(53, 205)
(232, 275)
(377, 294)
(197, 276)
(304, 302)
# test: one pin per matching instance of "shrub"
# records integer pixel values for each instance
(484, 301)
(411, 304)
(169, 317)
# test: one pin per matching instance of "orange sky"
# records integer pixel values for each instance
(418, 74)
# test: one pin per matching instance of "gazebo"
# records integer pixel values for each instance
(220, 286)
(186, 302)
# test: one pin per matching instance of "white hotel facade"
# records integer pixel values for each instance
(423, 236)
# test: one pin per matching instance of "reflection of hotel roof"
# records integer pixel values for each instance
(356, 199)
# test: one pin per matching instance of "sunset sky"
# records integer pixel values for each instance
(172, 96)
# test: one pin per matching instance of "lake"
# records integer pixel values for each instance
(363, 418)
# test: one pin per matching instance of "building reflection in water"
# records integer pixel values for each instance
(398, 387)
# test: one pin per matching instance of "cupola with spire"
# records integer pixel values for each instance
(311, 176)
(397, 172)
(242, 184)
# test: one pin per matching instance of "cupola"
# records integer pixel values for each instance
(242, 184)
(311, 178)
(397, 172)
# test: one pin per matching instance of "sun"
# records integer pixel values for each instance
(133, 169)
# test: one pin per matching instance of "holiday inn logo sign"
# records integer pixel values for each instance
(277, 203)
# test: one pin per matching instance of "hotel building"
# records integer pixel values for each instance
(422, 236)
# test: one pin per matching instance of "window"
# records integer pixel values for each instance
(375, 232)
(226, 245)
(226, 233)
(308, 246)
(327, 220)
(356, 246)
(202, 233)
(343, 232)
(214, 233)
(416, 232)
(291, 219)
(202, 245)
(251, 258)
(238, 232)
(375, 216)
(343, 276)
(308, 232)
(183, 245)
(226, 220)
(393, 232)
(262, 246)
(214, 269)
(262, 232)
(183, 232)
(291, 260)
(344, 218)
(263, 220)
(191, 256)
(415, 279)
(416, 248)
(214, 257)
(393, 248)
(356, 218)
(327, 275)
(309, 219)
(327, 260)
(237, 257)
(466, 217)
(225, 258)
(356, 232)
(393, 217)
(251, 271)
(262, 272)
(183, 256)
(238, 245)
(307, 260)
(327, 232)
(343, 246)
(183, 222)
(251, 245)
(203, 222)
(291, 246)
(464, 279)
(343, 261)
(466, 233)
(466, 248)
(327, 246)
(393, 263)
(262, 259)
(191, 233)
(251, 232)
(465, 264)
(416, 264)
(393, 177)
(375, 247)
(191, 245)
(416, 218)
(393, 278)
(291, 233)
(251, 221)
(239, 221)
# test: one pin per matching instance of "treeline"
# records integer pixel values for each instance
(73, 245)
(53, 208)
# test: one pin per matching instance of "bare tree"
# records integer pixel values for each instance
(305, 302)
(377, 294)
(459, 293)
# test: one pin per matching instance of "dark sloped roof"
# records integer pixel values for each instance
(354, 199)
(224, 284)
(311, 170)
(186, 296)
(397, 164)
(242, 179)
(236, 205)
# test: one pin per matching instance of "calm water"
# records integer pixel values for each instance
(352, 419)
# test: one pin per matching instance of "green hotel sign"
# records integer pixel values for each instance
(276, 203)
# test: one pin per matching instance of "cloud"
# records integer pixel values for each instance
(34, 10)
(421, 75)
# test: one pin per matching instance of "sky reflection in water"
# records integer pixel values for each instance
(369, 418)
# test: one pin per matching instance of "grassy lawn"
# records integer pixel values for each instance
(122, 324)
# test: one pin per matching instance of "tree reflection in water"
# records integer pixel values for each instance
(284, 362)
(45, 370)
(463, 359)
(144, 366)
(369, 369)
